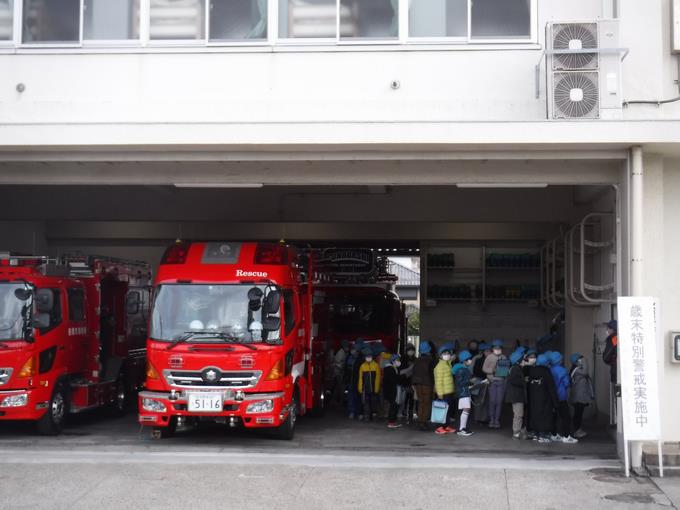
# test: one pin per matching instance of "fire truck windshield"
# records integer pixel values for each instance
(207, 313)
(11, 319)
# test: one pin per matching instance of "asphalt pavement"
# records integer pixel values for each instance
(99, 463)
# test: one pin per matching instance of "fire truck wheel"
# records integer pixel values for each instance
(120, 403)
(52, 422)
(286, 430)
(165, 432)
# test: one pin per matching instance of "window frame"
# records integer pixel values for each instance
(477, 41)
(272, 42)
(110, 43)
(11, 42)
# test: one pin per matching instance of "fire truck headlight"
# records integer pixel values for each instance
(155, 406)
(15, 400)
(263, 406)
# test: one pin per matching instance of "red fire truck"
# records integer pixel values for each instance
(72, 336)
(231, 338)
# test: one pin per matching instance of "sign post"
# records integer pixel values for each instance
(638, 340)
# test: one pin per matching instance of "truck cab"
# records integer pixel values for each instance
(229, 339)
(64, 345)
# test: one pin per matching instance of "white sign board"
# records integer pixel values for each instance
(637, 347)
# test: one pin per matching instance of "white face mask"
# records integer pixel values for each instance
(369, 358)
(446, 357)
(498, 352)
(531, 361)
(411, 353)
(397, 364)
(468, 362)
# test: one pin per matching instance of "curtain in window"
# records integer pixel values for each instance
(260, 29)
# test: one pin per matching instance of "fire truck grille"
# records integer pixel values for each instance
(5, 374)
(198, 379)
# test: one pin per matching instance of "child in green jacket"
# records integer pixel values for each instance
(444, 388)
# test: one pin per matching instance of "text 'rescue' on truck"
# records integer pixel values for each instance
(229, 339)
(72, 335)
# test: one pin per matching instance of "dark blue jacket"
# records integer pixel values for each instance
(562, 382)
(462, 375)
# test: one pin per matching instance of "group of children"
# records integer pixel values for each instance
(481, 377)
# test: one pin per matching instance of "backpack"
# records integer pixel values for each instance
(503, 368)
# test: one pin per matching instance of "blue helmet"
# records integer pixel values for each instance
(555, 358)
(344, 344)
(447, 347)
(575, 357)
(497, 343)
(395, 357)
(516, 357)
(425, 348)
(613, 325)
(464, 356)
(378, 348)
(366, 351)
(521, 349)
(484, 346)
(542, 361)
(530, 352)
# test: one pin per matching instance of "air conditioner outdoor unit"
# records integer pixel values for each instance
(583, 84)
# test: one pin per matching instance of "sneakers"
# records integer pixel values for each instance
(393, 425)
(464, 433)
(544, 440)
(517, 436)
(440, 430)
(580, 434)
(569, 440)
(556, 438)
(450, 430)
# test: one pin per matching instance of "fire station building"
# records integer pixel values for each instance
(528, 150)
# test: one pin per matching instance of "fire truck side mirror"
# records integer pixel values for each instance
(254, 299)
(272, 303)
(41, 320)
(44, 301)
(132, 302)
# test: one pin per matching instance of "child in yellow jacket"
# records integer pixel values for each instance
(444, 388)
(369, 385)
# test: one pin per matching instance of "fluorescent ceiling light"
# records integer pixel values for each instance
(218, 185)
(502, 185)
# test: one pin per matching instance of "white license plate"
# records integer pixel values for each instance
(205, 402)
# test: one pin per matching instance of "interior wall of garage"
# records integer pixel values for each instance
(26, 237)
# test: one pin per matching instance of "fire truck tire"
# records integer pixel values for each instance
(286, 430)
(52, 422)
(121, 398)
(165, 432)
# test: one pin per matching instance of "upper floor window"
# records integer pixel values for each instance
(470, 19)
(110, 20)
(214, 22)
(6, 20)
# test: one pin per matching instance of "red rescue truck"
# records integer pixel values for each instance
(72, 336)
(231, 338)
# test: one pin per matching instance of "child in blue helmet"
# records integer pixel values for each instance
(444, 387)
(462, 375)
(497, 380)
(423, 382)
(353, 363)
(391, 382)
(562, 385)
(582, 393)
(542, 397)
(369, 385)
(515, 393)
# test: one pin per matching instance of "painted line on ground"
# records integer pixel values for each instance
(308, 460)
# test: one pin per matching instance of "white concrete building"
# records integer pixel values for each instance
(126, 124)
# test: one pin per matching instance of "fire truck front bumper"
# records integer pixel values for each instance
(252, 410)
(23, 404)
